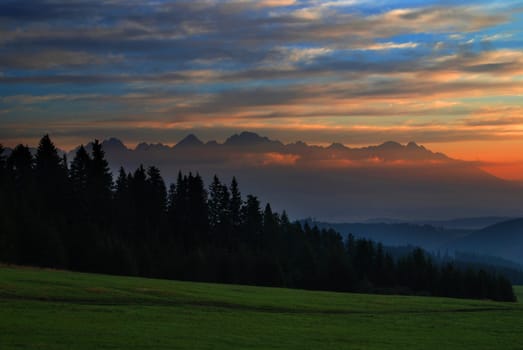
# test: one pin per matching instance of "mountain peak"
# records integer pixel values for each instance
(189, 141)
(246, 138)
(414, 146)
(113, 143)
(144, 146)
(337, 146)
(390, 145)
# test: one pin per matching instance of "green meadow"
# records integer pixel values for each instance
(48, 309)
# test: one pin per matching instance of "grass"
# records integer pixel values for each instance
(519, 293)
(46, 309)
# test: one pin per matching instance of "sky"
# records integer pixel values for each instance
(448, 75)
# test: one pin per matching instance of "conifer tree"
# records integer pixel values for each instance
(252, 220)
(101, 178)
(157, 190)
(219, 203)
(197, 209)
(52, 186)
(51, 175)
(235, 204)
(99, 186)
(79, 173)
(19, 165)
(156, 205)
(121, 185)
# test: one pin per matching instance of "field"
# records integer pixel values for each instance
(46, 309)
(519, 293)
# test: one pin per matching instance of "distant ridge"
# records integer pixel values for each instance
(389, 150)
(503, 239)
(189, 141)
(333, 183)
(472, 223)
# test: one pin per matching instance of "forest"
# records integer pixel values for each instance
(74, 215)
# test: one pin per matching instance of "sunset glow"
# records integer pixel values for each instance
(448, 76)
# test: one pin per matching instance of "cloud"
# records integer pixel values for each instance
(496, 116)
(316, 67)
(43, 60)
(266, 159)
(389, 46)
(275, 3)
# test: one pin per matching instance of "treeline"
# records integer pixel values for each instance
(71, 215)
(494, 265)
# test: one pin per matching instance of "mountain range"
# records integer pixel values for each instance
(334, 183)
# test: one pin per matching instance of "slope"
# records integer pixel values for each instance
(504, 239)
(48, 309)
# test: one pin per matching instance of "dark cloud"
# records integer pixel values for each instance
(44, 10)
(42, 60)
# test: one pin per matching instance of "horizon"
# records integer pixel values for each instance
(133, 145)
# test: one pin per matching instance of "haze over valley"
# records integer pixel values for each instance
(335, 183)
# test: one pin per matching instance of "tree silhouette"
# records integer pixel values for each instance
(220, 220)
(79, 174)
(235, 204)
(99, 185)
(252, 221)
(20, 166)
(52, 185)
(156, 201)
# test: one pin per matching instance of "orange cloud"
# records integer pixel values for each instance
(273, 158)
(266, 159)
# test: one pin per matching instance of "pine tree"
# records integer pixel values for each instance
(215, 203)
(156, 205)
(52, 186)
(51, 175)
(79, 173)
(219, 213)
(19, 165)
(197, 209)
(121, 185)
(122, 204)
(100, 185)
(101, 178)
(178, 207)
(235, 204)
(157, 190)
(171, 199)
(252, 220)
(270, 229)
